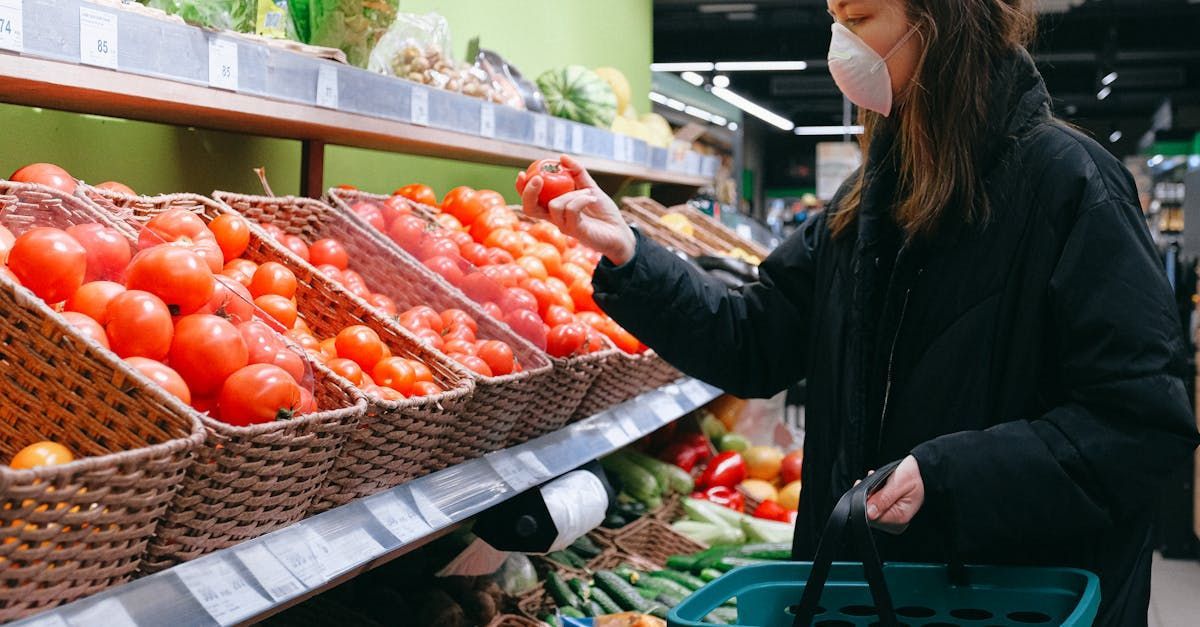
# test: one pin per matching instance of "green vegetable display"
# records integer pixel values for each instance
(669, 476)
(234, 15)
(636, 481)
(561, 593)
(578, 94)
(621, 591)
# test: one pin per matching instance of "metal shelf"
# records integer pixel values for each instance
(263, 576)
(172, 73)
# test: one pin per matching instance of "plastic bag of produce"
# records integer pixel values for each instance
(417, 48)
(578, 94)
(354, 26)
(509, 87)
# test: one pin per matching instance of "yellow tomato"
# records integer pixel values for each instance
(789, 496)
(759, 490)
(763, 462)
(41, 454)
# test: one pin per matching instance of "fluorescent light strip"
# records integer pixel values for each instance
(730, 7)
(692, 78)
(697, 112)
(1104, 93)
(760, 66)
(1109, 79)
(682, 67)
(720, 80)
(753, 109)
(828, 130)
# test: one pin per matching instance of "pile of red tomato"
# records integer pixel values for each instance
(524, 272)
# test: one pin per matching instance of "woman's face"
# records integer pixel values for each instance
(882, 23)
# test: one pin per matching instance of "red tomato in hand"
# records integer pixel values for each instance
(296, 245)
(139, 325)
(49, 262)
(89, 327)
(107, 250)
(280, 309)
(556, 180)
(184, 229)
(329, 251)
(566, 340)
(205, 350)
(230, 300)
(497, 355)
(447, 268)
(259, 393)
(176, 275)
(46, 174)
(232, 233)
(370, 213)
(92, 299)
(163, 375)
(418, 193)
(360, 344)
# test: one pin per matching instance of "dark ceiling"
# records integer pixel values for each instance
(1153, 45)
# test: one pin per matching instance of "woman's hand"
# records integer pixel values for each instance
(893, 507)
(587, 213)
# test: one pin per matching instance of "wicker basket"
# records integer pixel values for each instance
(569, 382)
(625, 376)
(247, 481)
(655, 541)
(671, 511)
(74, 530)
(537, 602)
(513, 620)
(649, 225)
(712, 237)
(498, 403)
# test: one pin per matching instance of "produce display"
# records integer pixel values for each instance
(579, 94)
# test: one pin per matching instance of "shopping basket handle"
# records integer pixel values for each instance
(850, 511)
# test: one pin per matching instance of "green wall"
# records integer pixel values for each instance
(534, 35)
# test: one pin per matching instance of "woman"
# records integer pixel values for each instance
(981, 300)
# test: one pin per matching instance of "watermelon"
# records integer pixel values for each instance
(578, 94)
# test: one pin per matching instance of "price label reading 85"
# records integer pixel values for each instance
(223, 64)
(97, 38)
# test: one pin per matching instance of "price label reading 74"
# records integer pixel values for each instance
(5, 26)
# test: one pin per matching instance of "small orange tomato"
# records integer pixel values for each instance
(43, 453)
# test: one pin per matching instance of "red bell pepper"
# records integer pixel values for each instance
(682, 455)
(770, 510)
(727, 469)
(724, 496)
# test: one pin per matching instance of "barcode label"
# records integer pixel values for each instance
(11, 18)
(107, 612)
(274, 577)
(351, 549)
(487, 120)
(521, 471)
(221, 590)
(398, 518)
(429, 510)
(327, 86)
(420, 106)
(301, 553)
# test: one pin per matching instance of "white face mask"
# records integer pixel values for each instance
(860, 72)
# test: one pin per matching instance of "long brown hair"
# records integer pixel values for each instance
(942, 116)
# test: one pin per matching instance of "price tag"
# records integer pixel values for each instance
(398, 518)
(665, 407)
(46, 620)
(274, 577)
(630, 426)
(560, 136)
(221, 590)
(487, 120)
(541, 132)
(302, 554)
(10, 25)
(615, 433)
(429, 510)
(696, 392)
(107, 612)
(420, 106)
(223, 64)
(351, 549)
(327, 86)
(619, 148)
(520, 471)
(98, 38)
(577, 139)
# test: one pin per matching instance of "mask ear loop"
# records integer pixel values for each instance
(903, 40)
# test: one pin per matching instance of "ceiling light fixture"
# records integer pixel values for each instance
(813, 131)
(761, 66)
(692, 78)
(686, 66)
(733, 126)
(730, 7)
(1115, 137)
(718, 120)
(720, 80)
(1104, 93)
(756, 110)
(697, 112)
(1109, 79)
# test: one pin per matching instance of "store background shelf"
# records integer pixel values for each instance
(263, 576)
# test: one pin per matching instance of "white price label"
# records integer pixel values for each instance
(221, 590)
(629, 424)
(108, 612)
(429, 510)
(560, 136)
(665, 407)
(302, 553)
(419, 111)
(98, 38)
(577, 139)
(274, 577)
(46, 620)
(487, 120)
(619, 151)
(327, 86)
(10, 25)
(351, 549)
(398, 518)
(614, 432)
(223, 64)
(520, 471)
(541, 131)
(696, 392)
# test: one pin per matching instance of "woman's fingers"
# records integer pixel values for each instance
(578, 172)
(574, 208)
(529, 197)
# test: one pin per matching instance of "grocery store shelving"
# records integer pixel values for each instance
(260, 577)
(161, 71)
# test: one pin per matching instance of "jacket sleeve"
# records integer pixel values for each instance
(1123, 420)
(750, 342)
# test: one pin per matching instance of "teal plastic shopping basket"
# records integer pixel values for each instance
(827, 594)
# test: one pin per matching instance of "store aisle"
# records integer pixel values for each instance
(1175, 601)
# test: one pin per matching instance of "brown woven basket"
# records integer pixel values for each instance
(251, 480)
(498, 403)
(655, 541)
(570, 380)
(710, 235)
(649, 225)
(73, 530)
(625, 376)
(513, 620)
(671, 511)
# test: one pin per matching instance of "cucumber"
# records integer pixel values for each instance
(647, 593)
(712, 557)
(689, 580)
(730, 563)
(709, 574)
(567, 558)
(635, 480)
(571, 612)
(619, 589)
(681, 562)
(606, 602)
(658, 610)
(592, 609)
(669, 476)
(581, 589)
(551, 619)
(561, 593)
(669, 600)
(665, 585)
(628, 573)
(585, 547)
(765, 551)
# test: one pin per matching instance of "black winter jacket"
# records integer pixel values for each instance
(1031, 365)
